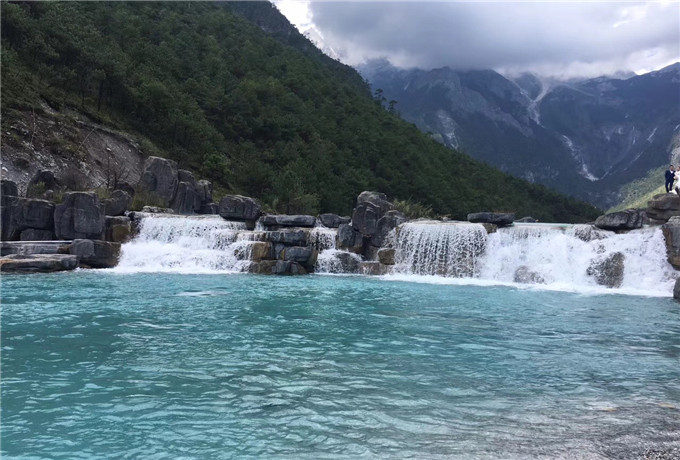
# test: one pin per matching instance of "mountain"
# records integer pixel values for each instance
(232, 92)
(584, 138)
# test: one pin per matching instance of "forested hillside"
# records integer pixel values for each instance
(241, 101)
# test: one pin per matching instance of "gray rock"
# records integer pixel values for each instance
(608, 271)
(284, 220)
(349, 262)
(288, 237)
(676, 290)
(34, 234)
(671, 233)
(524, 275)
(629, 219)
(209, 208)
(8, 228)
(205, 189)
(333, 220)
(663, 206)
(33, 213)
(118, 229)
(160, 179)
(386, 256)
(300, 254)
(374, 268)
(371, 206)
(80, 215)
(119, 202)
(238, 207)
(277, 267)
(8, 188)
(186, 199)
(385, 225)
(37, 263)
(157, 210)
(349, 239)
(498, 218)
(30, 247)
(527, 219)
(95, 253)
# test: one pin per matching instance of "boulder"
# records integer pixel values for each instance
(8, 188)
(34, 234)
(80, 215)
(32, 213)
(629, 219)
(95, 253)
(385, 225)
(350, 239)
(371, 206)
(671, 233)
(118, 229)
(186, 199)
(8, 228)
(119, 202)
(238, 207)
(333, 220)
(587, 233)
(525, 276)
(608, 271)
(34, 247)
(260, 250)
(209, 208)
(373, 268)
(676, 290)
(277, 267)
(300, 254)
(663, 206)
(349, 262)
(288, 237)
(37, 263)
(386, 256)
(205, 189)
(500, 219)
(283, 220)
(160, 179)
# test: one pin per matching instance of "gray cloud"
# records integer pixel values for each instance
(558, 39)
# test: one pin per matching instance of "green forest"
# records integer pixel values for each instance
(236, 94)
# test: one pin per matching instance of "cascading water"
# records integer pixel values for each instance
(559, 256)
(435, 248)
(168, 243)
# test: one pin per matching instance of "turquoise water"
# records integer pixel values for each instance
(105, 365)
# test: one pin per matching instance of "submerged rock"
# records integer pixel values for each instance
(374, 268)
(277, 267)
(608, 271)
(37, 263)
(526, 276)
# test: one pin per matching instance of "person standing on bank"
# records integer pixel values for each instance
(670, 177)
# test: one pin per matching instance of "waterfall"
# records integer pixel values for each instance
(169, 243)
(558, 256)
(436, 248)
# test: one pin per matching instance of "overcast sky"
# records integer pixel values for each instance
(559, 39)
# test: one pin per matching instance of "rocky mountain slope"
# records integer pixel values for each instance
(233, 93)
(585, 138)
